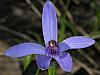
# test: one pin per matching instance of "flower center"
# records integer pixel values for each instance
(52, 48)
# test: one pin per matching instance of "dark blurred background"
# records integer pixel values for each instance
(20, 21)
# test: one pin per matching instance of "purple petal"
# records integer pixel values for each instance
(63, 47)
(25, 49)
(65, 61)
(79, 42)
(43, 61)
(49, 22)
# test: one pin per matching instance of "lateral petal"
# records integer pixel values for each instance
(25, 49)
(65, 61)
(43, 62)
(78, 42)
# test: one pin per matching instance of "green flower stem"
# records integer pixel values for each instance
(52, 69)
(37, 72)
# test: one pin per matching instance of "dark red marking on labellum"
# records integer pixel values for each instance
(53, 47)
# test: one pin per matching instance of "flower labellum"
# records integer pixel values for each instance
(52, 48)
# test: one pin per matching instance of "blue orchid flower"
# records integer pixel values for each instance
(52, 48)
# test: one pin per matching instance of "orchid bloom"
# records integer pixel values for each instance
(52, 48)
